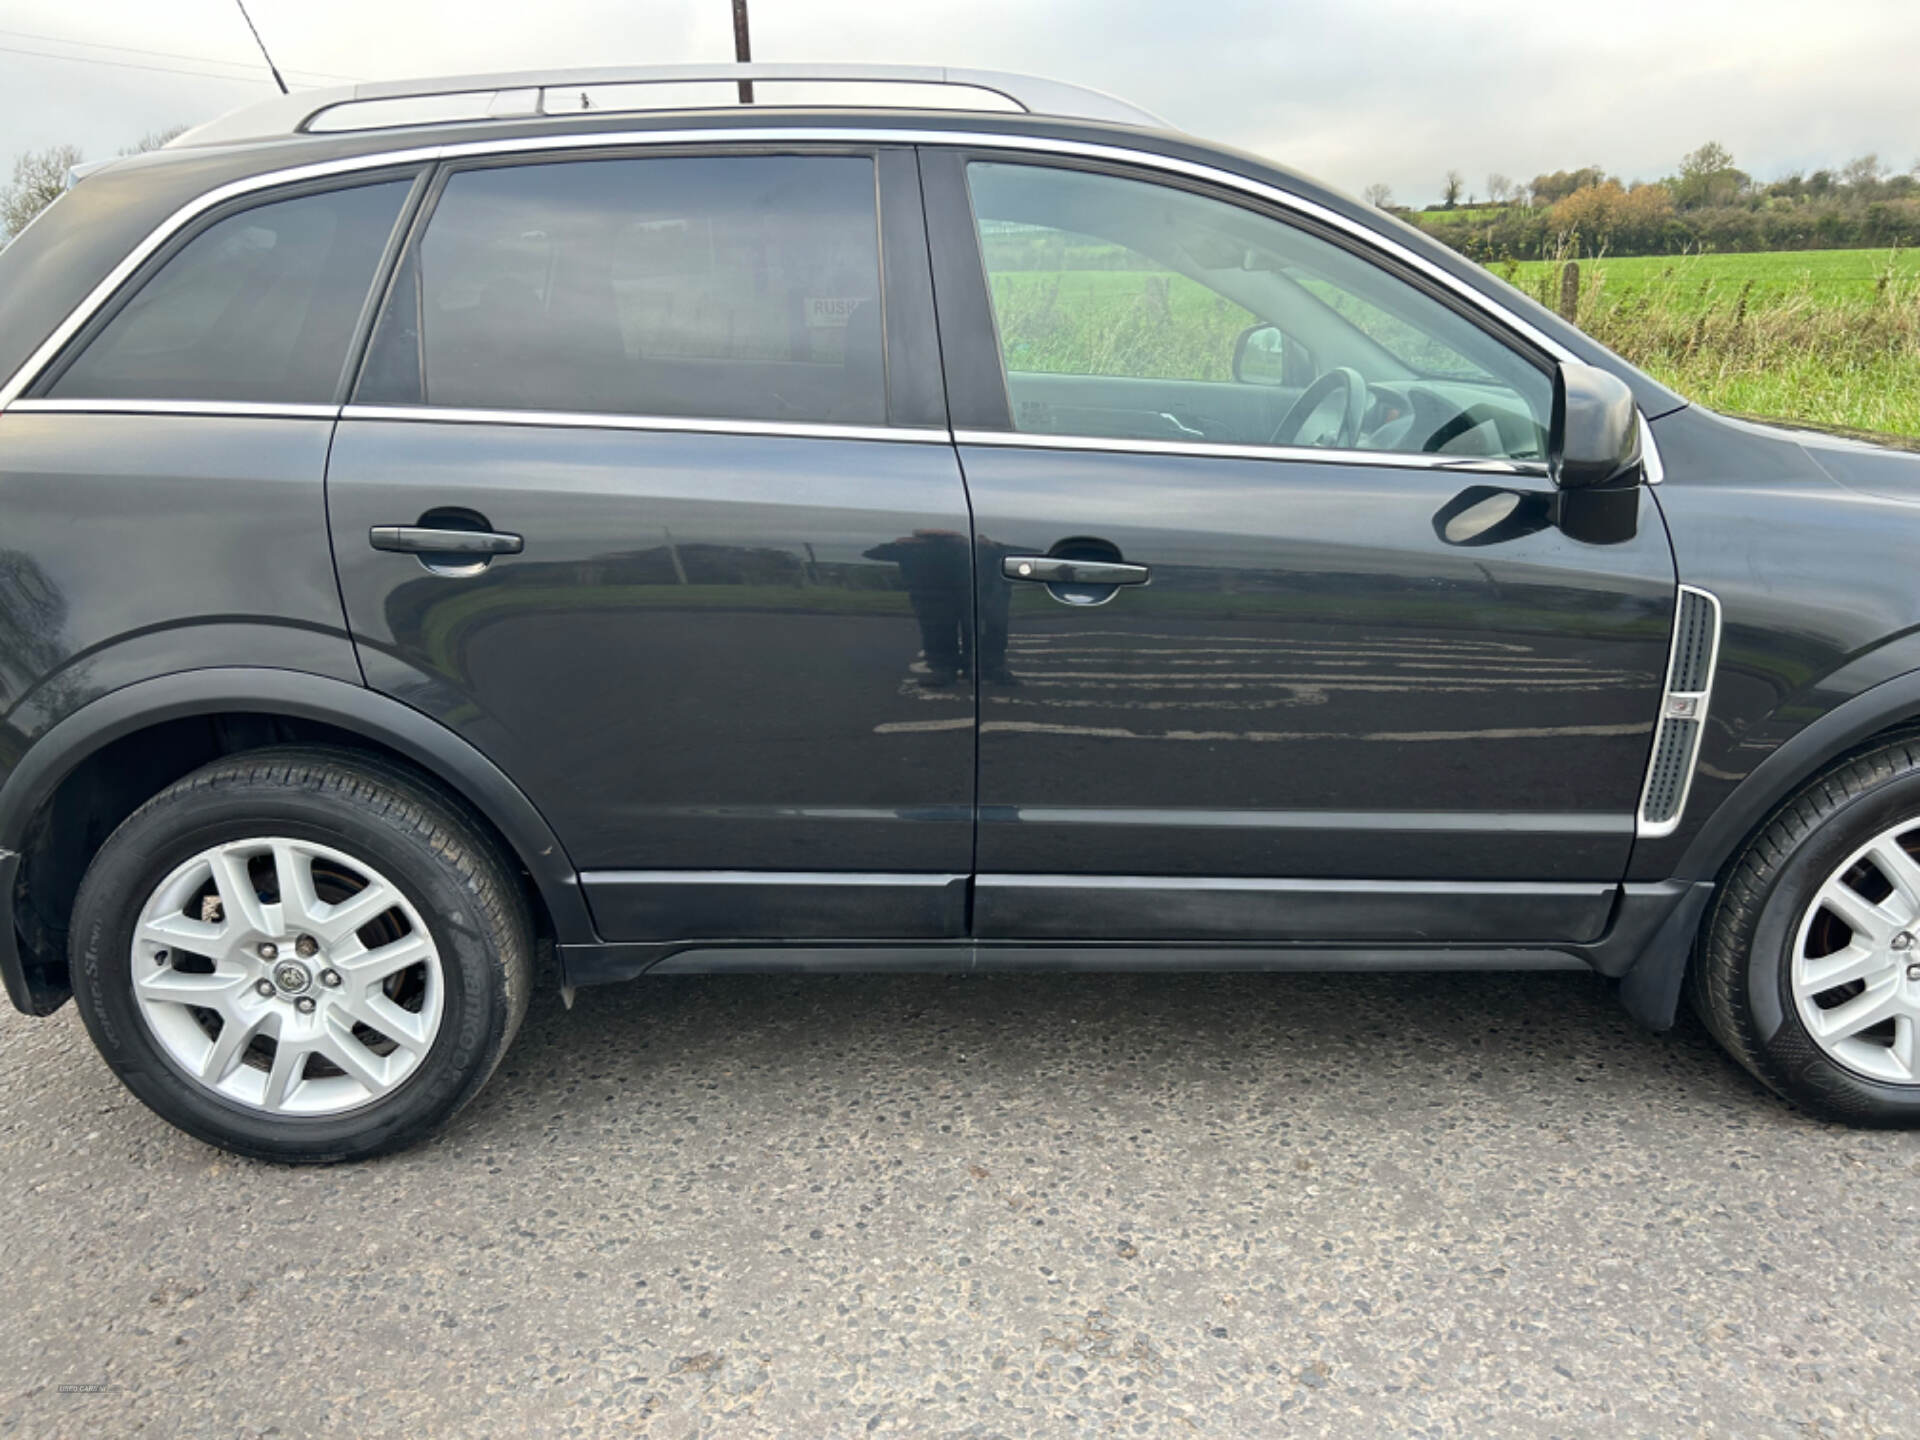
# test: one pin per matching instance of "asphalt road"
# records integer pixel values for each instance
(1019, 1206)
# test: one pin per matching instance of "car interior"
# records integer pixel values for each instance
(1341, 352)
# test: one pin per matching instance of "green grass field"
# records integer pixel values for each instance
(1830, 336)
(1693, 281)
(1827, 336)
(1116, 322)
(1461, 215)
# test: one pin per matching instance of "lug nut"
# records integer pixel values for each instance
(1913, 971)
(304, 1004)
(1903, 941)
(268, 950)
(330, 978)
(263, 987)
(306, 946)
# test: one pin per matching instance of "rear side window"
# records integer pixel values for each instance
(726, 287)
(258, 307)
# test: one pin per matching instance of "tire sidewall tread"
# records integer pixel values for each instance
(1740, 978)
(450, 870)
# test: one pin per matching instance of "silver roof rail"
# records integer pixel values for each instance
(385, 103)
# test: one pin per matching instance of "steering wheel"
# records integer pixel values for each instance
(1336, 380)
(1462, 423)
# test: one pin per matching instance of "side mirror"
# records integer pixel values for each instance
(1265, 355)
(1594, 437)
(1259, 355)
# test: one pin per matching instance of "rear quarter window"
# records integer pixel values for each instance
(259, 307)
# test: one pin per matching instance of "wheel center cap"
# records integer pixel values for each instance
(292, 977)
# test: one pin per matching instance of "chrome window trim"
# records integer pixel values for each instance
(172, 225)
(1078, 149)
(695, 424)
(1370, 239)
(538, 144)
(1642, 827)
(447, 415)
(267, 409)
(1415, 460)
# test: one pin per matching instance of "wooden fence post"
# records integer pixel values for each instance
(1570, 292)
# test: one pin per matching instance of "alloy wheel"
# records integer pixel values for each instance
(287, 976)
(1855, 975)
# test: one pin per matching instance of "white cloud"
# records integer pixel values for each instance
(1354, 91)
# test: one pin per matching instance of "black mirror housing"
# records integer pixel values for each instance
(1594, 436)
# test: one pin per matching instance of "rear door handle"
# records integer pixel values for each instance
(1053, 570)
(429, 540)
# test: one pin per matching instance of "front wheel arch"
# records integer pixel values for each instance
(1864, 721)
(1739, 974)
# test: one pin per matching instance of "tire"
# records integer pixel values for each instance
(373, 1062)
(1774, 918)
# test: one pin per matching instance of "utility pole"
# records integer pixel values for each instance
(742, 47)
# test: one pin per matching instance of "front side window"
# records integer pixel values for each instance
(735, 287)
(1131, 310)
(259, 307)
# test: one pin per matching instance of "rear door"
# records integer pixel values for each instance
(162, 479)
(646, 491)
(1340, 674)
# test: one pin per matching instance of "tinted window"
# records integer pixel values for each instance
(741, 287)
(1142, 311)
(258, 307)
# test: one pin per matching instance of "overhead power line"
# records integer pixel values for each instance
(128, 64)
(246, 65)
(241, 70)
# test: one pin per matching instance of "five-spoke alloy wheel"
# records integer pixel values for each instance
(301, 955)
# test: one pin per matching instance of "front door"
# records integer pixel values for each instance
(646, 492)
(1290, 643)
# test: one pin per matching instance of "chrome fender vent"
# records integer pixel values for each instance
(1683, 711)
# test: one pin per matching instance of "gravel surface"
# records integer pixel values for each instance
(1472, 1205)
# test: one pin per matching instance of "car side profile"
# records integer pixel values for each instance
(984, 530)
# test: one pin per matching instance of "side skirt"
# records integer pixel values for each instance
(1645, 925)
(599, 964)
(830, 906)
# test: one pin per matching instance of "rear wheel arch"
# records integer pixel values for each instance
(93, 769)
(302, 954)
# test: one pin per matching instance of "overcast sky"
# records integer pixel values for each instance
(1354, 91)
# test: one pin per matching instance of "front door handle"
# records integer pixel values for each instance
(430, 540)
(1054, 570)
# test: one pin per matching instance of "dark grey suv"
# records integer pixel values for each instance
(445, 519)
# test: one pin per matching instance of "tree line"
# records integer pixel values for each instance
(1708, 203)
(39, 177)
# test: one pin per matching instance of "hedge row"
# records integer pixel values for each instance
(1522, 234)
